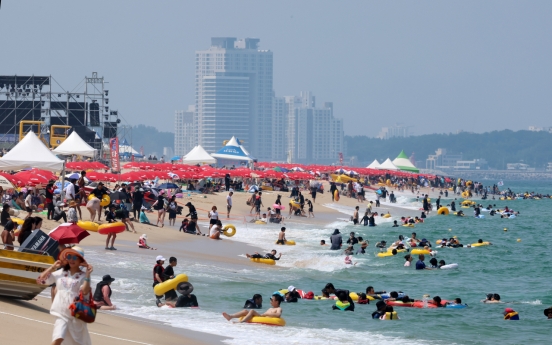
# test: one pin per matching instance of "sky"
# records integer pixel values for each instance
(438, 66)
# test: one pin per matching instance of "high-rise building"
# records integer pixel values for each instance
(312, 135)
(185, 132)
(234, 95)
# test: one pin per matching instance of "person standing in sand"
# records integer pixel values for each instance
(246, 315)
(229, 204)
(356, 216)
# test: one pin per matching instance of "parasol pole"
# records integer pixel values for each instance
(63, 178)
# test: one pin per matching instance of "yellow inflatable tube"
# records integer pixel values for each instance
(288, 243)
(419, 251)
(387, 215)
(266, 320)
(480, 244)
(294, 204)
(229, 230)
(170, 284)
(263, 261)
(443, 211)
(18, 221)
(90, 226)
(391, 316)
(408, 225)
(105, 199)
(259, 222)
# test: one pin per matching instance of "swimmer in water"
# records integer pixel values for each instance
(282, 236)
(246, 315)
(271, 255)
(348, 261)
(323, 243)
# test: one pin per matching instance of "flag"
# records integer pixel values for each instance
(500, 183)
(114, 148)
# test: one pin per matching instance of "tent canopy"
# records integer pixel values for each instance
(74, 145)
(374, 165)
(387, 165)
(30, 152)
(198, 155)
(403, 163)
(232, 151)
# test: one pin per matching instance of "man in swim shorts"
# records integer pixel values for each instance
(282, 236)
(168, 273)
(275, 311)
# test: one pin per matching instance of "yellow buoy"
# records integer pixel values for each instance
(519, 239)
(505, 229)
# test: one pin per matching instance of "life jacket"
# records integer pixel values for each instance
(161, 275)
(98, 294)
(511, 316)
(390, 316)
(342, 305)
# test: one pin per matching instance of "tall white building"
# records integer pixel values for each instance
(185, 132)
(234, 95)
(395, 131)
(310, 135)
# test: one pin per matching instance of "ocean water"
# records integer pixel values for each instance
(519, 271)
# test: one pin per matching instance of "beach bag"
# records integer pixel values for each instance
(84, 310)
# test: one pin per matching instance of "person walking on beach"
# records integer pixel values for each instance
(251, 201)
(70, 282)
(173, 206)
(246, 315)
(93, 204)
(333, 188)
(229, 204)
(137, 200)
(213, 216)
(279, 202)
(309, 204)
(159, 206)
(356, 216)
(313, 194)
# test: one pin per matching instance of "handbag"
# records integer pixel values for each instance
(83, 310)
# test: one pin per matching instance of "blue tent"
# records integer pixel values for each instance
(232, 151)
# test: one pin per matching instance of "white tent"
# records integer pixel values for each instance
(198, 155)
(30, 152)
(387, 165)
(74, 145)
(374, 165)
(232, 151)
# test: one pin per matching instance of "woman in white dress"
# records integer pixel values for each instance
(70, 281)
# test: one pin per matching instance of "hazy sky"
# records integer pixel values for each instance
(439, 66)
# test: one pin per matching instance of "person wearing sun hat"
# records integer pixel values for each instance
(102, 294)
(70, 281)
(510, 314)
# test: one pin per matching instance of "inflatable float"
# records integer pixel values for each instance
(109, 228)
(390, 316)
(278, 207)
(449, 267)
(287, 243)
(263, 261)
(171, 284)
(90, 226)
(419, 251)
(443, 211)
(266, 320)
(106, 200)
(229, 230)
(336, 195)
(408, 225)
(480, 244)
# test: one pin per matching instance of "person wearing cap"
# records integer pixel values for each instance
(143, 242)
(102, 294)
(8, 235)
(93, 204)
(70, 281)
(192, 213)
(292, 296)
(158, 272)
(510, 314)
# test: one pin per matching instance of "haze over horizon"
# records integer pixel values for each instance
(438, 66)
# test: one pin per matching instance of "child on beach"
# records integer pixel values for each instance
(246, 315)
(348, 261)
(143, 242)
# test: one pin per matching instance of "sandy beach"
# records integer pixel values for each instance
(111, 328)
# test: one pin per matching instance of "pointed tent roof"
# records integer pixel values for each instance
(232, 151)
(30, 152)
(374, 164)
(402, 162)
(198, 155)
(74, 145)
(387, 165)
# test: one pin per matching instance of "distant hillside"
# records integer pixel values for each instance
(150, 138)
(498, 147)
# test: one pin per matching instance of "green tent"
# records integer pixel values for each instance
(402, 162)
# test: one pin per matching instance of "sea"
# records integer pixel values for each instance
(517, 266)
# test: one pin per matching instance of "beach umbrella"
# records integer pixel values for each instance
(31, 178)
(167, 186)
(95, 176)
(73, 176)
(68, 233)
